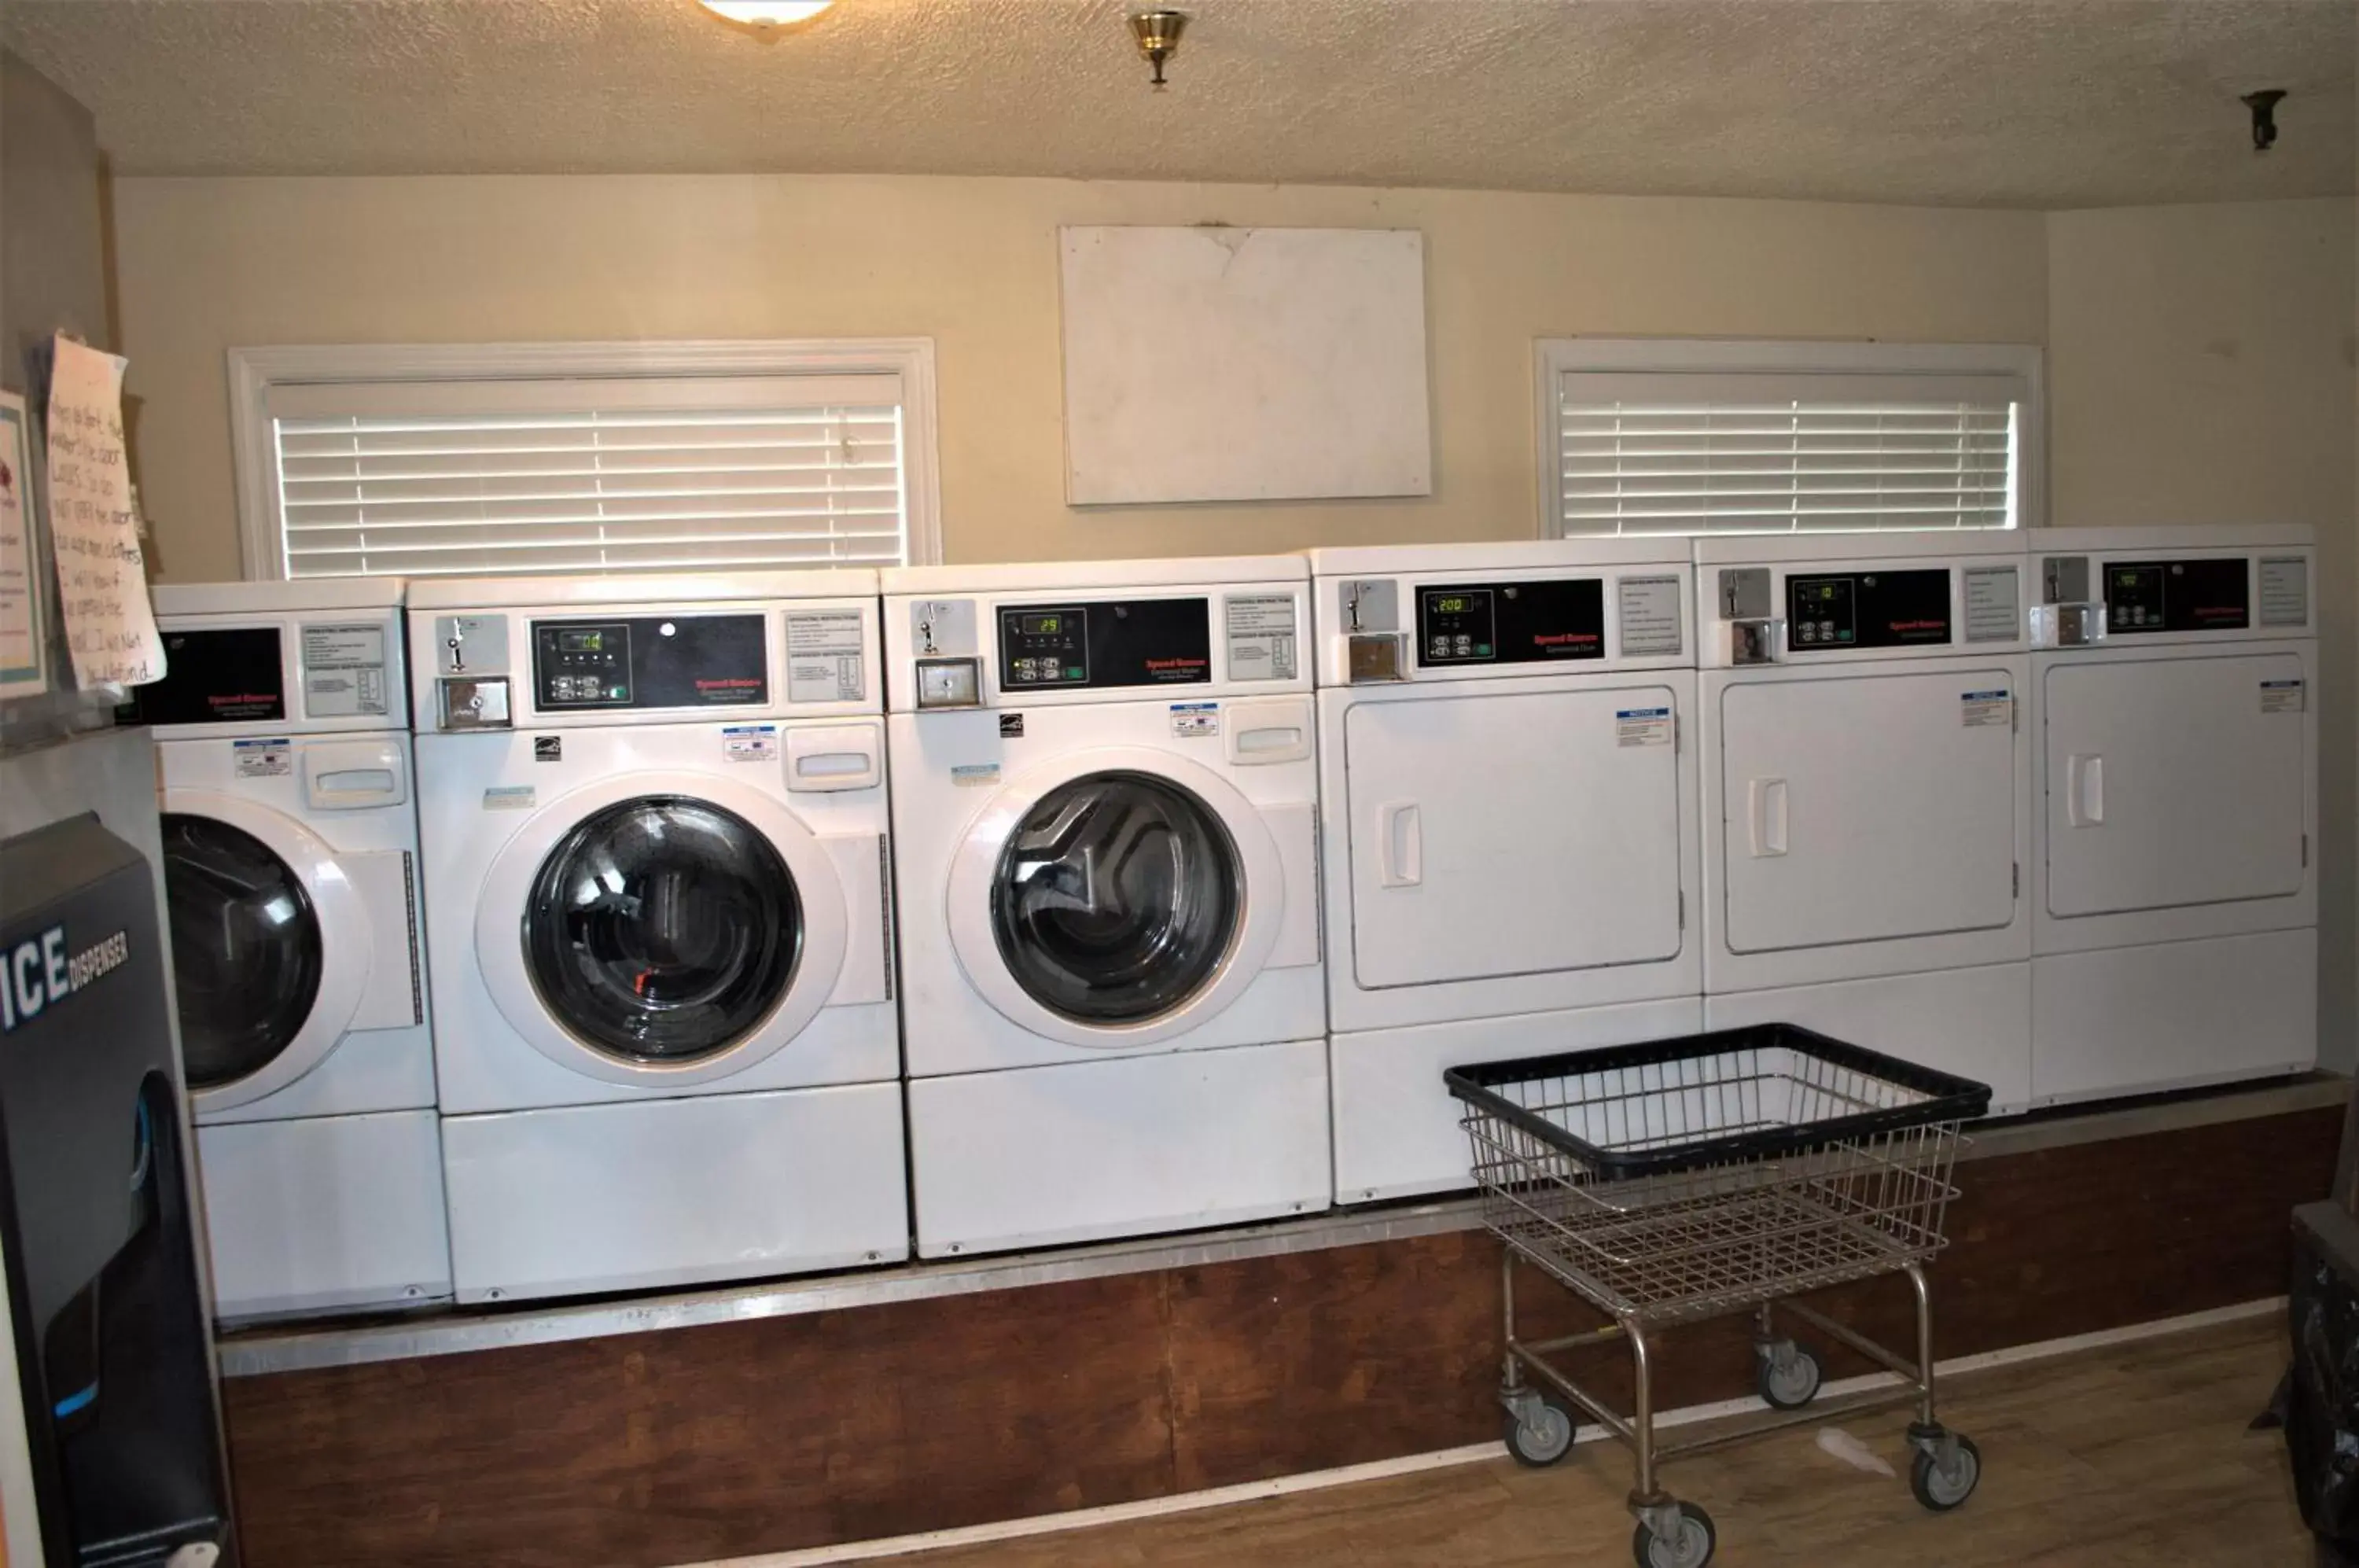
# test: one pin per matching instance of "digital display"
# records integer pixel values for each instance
(581, 642)
(1043, 626)
(1454, 604)
(1818, 592)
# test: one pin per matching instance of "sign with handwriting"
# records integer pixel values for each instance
(101, 573)
(22, 649)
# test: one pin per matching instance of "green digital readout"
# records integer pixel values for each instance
(1455, 604)
(581, 642)
(1043, 626)
(1818, 592)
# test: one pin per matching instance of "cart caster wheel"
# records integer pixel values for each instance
(1540, 1433)
(1942, 1488)
(1689, 1546)
(1789, 1383)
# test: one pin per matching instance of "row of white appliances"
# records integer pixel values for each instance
(662, 889)
(2036, 810)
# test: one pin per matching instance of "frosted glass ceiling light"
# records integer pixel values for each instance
(767, 13)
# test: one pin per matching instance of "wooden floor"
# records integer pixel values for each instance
(2126, 1458)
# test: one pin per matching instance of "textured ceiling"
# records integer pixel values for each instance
(2019, 103)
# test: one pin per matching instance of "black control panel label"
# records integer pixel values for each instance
(230, 677)
(656, 662)
(2205, 595)
(1511, 623)
(1137, 642)
(1867, 609)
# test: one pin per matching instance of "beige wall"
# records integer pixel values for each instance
(207, 264)
(2200, 370)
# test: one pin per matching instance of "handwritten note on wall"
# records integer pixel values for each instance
(101, 573)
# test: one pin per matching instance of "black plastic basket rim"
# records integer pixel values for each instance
(1948, 1098)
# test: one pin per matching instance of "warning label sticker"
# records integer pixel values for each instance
(749, 743)
(1651, 617)
(1261, 637)
(262, 758)
(2284, 591)
(2284, 696)
(975, 775)
(1993, 604)
(510, 798)
(1193, 721)
(824, 657)
(1642, 726)
(343, 671)
(1986, 710)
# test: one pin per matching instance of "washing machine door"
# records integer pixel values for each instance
(1115, 898)
(661, 930)
(270, 945)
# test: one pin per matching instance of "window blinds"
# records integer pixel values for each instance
(1685, 454)
(420, 479)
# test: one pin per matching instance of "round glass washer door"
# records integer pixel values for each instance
(270, 943)
(1115, 896)
(246, 950)
(662, 929)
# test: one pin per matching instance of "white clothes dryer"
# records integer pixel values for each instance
(656, 835)
(1105, 812)
(2175, 903)
(1866, 779)
(290, 861)
(1509, 812)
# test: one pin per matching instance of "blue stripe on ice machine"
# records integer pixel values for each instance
(95, 1211)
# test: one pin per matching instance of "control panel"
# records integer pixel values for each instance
(1135, 642)
(666, 661)
(2208, 593)
(1511, 623)
(1867, 609)
(229, 675)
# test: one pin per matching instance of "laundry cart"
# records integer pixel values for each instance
(1725, 1173)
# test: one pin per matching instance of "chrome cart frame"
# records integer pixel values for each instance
(1691, 1179)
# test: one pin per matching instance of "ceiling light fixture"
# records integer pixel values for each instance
(767, 13)
(1158, 33)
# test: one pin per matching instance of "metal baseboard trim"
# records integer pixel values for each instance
(262, 1353)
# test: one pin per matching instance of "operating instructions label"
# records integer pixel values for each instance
(825, 660)
(1651, 609)
(343, 671)
(1262, 636)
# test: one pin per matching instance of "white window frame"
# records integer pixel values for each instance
(253, 371)
(1553, 358)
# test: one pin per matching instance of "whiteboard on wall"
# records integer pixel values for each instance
(1214, 363)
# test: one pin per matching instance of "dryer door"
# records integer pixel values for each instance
(1117, 898)
(270, 946)
(658, 929)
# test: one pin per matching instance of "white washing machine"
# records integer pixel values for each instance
(1866, 773)
(1104, 808)
(655, 835)
(290, 857)
(1508, 801)
(2174, 926)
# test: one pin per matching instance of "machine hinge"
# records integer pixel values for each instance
(2018, 880)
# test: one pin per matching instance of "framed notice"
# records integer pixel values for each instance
(23, 666)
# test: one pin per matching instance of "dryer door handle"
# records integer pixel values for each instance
(1764, 802)
(2084, 790)
(1400, 850)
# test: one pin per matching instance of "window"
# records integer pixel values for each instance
(1671, 437)
(515, 459)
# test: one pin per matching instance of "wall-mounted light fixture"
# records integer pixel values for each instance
(767, 13)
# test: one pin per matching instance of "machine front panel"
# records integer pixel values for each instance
(656, 662)
(232, 675)
(1867, 609)
(2205, 595)
(1109, 643)
(1511, 623)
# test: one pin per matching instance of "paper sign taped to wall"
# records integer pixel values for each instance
(23, 650)
(102, 571)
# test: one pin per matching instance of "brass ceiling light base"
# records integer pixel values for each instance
(1158, 33)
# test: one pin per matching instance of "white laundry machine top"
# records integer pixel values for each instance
(1532, 607)
(313, 656)
(548, 653)
(1095, 632)
(2166, 585)
(1814, 599)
